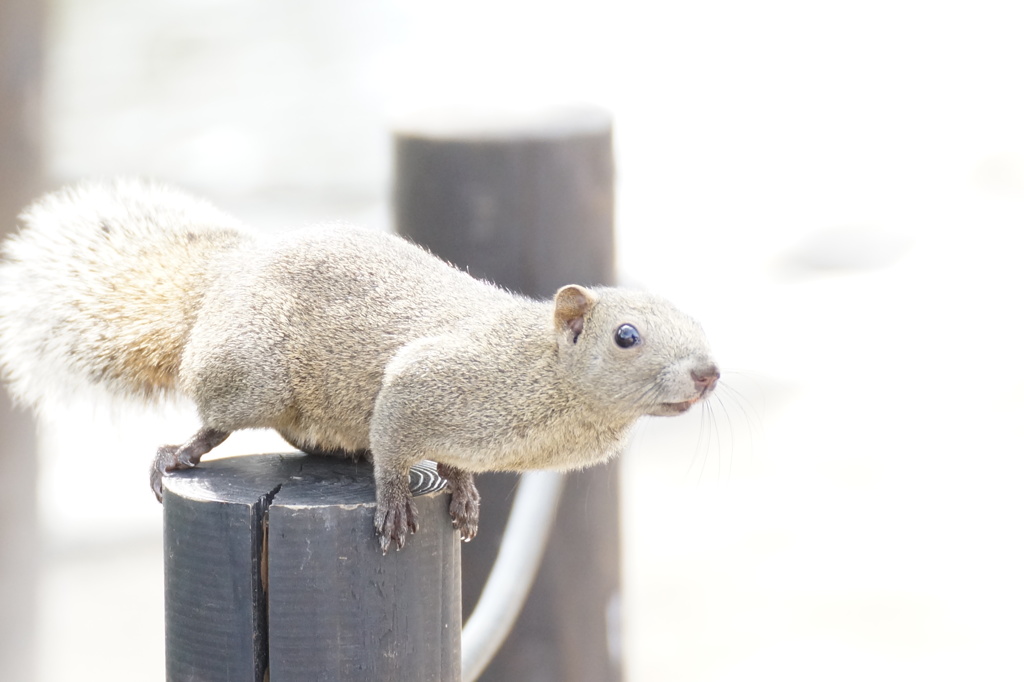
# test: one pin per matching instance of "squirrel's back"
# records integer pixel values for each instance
(101, 287)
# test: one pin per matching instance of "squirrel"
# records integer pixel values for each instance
(347, 342)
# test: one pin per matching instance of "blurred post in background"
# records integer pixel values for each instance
(21, 46)
(527, 202)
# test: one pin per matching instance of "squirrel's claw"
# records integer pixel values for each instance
(167, 460)
(161, 465)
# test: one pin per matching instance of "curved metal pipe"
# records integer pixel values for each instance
(510, 580)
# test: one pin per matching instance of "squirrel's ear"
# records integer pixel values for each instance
(572, 303)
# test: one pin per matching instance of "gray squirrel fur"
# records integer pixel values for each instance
(345, 341)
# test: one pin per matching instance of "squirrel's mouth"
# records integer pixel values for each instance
(677, 408)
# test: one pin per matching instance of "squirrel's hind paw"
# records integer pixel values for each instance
(172, 457)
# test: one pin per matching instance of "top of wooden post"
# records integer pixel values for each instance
(474, 123)
(291, 478)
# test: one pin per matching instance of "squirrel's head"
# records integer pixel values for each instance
(633, 349)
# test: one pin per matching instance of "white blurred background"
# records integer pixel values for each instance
(835, 189)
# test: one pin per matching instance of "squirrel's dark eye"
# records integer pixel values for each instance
(627, 336)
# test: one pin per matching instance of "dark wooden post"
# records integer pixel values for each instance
(272, 567)
(21, 51)
(526, 201)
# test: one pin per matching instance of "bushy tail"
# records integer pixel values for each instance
(101, 288)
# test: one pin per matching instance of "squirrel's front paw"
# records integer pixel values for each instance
(465, 513)
(395, 518)
(465, 505)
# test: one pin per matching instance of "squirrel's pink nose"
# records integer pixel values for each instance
(705, 378)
